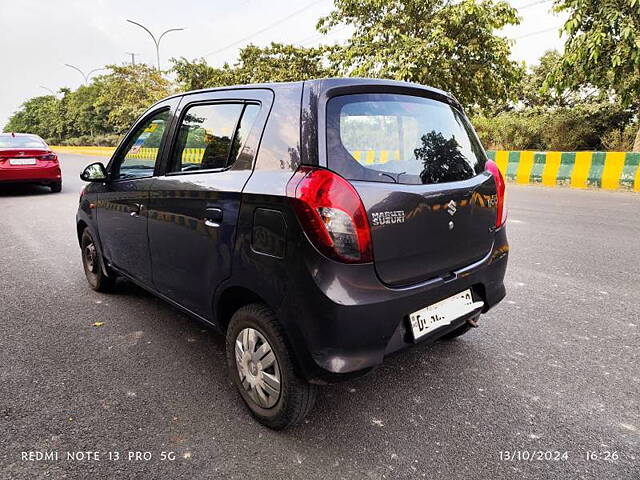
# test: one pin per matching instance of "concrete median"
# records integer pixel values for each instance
(606, 170)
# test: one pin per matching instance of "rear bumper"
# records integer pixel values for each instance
(30, 174)
(347, 321)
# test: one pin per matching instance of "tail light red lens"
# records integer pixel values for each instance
(331, 214)
(51, 157)
(501, 214)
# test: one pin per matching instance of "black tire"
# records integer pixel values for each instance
(296, 396)
(91, 261)
(461, 330)
(56, 187)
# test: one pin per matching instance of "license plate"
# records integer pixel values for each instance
(442, 313)
(22, 161)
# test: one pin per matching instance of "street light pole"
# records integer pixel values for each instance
(156, 41)
(133, 58)
(84, 75)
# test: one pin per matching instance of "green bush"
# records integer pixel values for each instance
(106, 140)
(583, 127)
(621, 139)
(510, 131)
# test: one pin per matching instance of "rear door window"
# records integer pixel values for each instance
(400, 139)
(210, 136)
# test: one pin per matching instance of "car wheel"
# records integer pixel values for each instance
(461, 330)
(56, 187)
(262, 369)
(91, 263)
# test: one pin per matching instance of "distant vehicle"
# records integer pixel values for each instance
(26, 158)
(320, 225)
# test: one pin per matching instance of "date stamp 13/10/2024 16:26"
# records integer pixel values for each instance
(557, 455)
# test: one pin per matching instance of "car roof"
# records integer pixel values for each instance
(322, 84)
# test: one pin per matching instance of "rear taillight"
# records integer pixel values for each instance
(501, 214)
(331, 214)
(50, 157)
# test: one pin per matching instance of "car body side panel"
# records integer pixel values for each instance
(278, 158)
(190, 255)
(124, 226)
(121, 210)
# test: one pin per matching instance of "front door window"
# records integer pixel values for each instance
(143, 148)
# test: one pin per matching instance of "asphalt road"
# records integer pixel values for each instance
(555, 367)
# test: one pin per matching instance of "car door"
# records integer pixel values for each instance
(123, 200)
(194, 205)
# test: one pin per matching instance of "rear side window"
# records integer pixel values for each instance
(400, 139)
(210, 136)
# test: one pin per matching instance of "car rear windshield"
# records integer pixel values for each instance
(20, 141)
(400, 138)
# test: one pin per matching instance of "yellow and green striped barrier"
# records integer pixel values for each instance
(371, 157)
(192, 155)
(189, 155)
(144, 154)
(606, 170)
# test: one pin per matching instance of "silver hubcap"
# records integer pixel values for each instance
(258, 368)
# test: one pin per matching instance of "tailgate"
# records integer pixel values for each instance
(424, 231)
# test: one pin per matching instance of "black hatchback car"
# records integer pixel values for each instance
(320, 225)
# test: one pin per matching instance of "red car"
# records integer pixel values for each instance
(26, 158)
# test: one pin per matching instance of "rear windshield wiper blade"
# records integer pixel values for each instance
(395, 179)
(388, 175)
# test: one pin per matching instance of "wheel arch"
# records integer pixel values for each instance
(230, 300)
(81, 225)
(234, 297)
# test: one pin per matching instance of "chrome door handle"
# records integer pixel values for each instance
(213, 217)
(137, 210)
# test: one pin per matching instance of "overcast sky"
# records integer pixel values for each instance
(37, 37)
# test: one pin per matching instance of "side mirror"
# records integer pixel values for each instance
(96, 172)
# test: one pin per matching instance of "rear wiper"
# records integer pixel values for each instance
(388, 175)
(395, 179)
